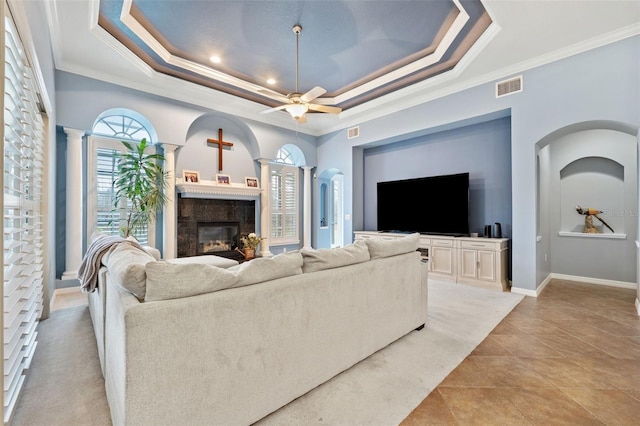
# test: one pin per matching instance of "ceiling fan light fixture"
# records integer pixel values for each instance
(297, 110)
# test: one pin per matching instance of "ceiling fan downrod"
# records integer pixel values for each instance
(297, 29)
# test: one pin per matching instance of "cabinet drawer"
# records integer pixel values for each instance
(441, 243)
(487, 245)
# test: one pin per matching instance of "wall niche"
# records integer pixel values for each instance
(595, 182)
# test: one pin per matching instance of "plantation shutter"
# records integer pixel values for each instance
(23, 221)
(284, 204)
(107, 165)
(107, 217)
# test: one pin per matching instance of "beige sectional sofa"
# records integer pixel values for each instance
(206, 341)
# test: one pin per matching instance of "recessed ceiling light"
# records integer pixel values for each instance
(215, 59)
(271, 81)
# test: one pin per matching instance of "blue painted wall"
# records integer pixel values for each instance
(483, 150)
(599, 84)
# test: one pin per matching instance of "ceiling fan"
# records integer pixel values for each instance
(298, 104)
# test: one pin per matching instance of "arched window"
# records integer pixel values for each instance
(123, 124)
(105, 149)
(284, 199)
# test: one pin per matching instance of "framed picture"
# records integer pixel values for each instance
(251, 182)
(223, 179)
(191, 176)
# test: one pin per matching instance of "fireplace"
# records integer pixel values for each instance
(218, 237)
(213, 226)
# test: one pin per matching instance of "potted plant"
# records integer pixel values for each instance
(140, 184)
(250, 244)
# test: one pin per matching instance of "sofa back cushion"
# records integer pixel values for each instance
(317, 260)
(125, 264)
(169, 280)
(267, 268)
(386, 248)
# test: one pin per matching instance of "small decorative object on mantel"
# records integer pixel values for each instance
(251, 182)
(250, 244)
(223, 179)
(589, 213)
(190, 176)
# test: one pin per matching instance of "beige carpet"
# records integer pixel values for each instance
(65, 387)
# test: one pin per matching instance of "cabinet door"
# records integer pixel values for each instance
(468, 263)
(441, 259)
(487, 265)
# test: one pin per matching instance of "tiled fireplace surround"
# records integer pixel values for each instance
(192, 211)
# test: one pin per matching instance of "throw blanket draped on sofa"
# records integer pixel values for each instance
(88, 271)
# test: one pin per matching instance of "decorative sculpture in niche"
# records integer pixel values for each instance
(589, 213)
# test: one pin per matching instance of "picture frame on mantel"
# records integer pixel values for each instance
(251, 182)
(190, 176)
(223, 179)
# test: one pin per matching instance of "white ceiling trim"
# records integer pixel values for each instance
(448, 39)
(421, 92)
(130, 22)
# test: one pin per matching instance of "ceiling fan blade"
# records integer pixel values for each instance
(274, 95)
(278, 108)
(325, 108)
(312, 94)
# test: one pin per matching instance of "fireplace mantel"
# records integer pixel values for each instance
(209, 189)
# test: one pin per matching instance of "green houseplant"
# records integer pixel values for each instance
(140, 184)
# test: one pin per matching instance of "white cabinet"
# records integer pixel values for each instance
(481, 261)
(442, 257)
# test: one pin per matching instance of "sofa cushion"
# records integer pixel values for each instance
(154, 252)
(219, 261)
(170, 280)
(267, 268)
(387, 248)
(125, 263)
(317, 260)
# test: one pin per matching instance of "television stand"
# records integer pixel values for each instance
(468, 260)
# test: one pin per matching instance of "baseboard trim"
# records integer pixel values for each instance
(64, 290)
(599, 281)
(585, 280)
(638, 306)
(524, 291)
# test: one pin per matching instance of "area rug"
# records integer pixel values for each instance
(384, 388)
(64, 385)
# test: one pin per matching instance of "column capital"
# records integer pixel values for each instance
(76, 133)
(264, 161)
(168, 147)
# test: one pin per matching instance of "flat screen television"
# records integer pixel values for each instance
(429, 205)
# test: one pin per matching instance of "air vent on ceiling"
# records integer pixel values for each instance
(353, 132)
(507, 87)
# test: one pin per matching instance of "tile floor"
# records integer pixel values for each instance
(569, 357)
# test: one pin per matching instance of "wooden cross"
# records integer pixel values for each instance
(221, 144)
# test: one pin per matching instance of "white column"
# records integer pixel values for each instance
(169, 223)
(306, 210)
(73, 253)
(265, 220)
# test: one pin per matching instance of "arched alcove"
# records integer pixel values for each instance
(238, 160)
(592, 165)
(592, 182)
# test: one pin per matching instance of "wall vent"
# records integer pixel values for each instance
(507, 87)
(353, 132)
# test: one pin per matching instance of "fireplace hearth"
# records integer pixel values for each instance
(213, 226)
